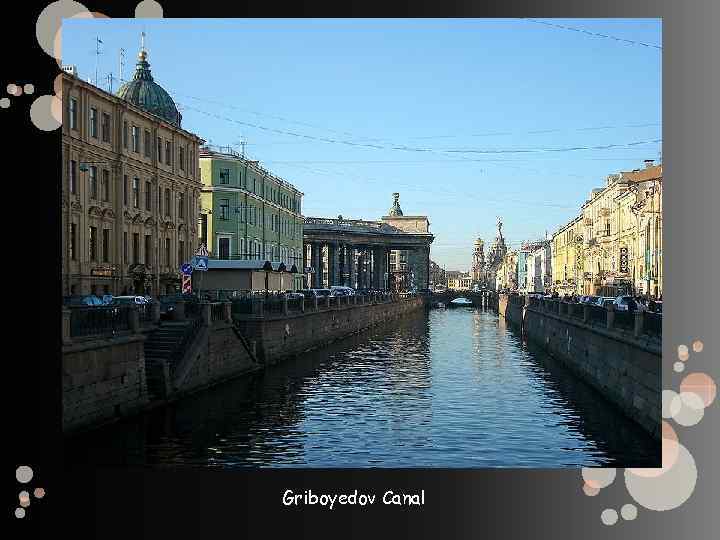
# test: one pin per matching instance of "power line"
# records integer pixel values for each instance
(537, 132)
(596, 34)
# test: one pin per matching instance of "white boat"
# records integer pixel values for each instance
(461, 302)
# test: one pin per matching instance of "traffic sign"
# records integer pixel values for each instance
(200, 263)
(186, 284)
(186, 269)
(202, 251)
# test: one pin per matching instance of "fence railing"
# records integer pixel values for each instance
(217, 312)
(101, 320)
(598, 316)
(653, 324)
(624, 320)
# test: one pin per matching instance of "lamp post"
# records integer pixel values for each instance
(268, 268)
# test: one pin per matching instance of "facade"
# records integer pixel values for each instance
(522, 269)
(477, 270)
(437, 275)
(130, 188)
(623, 234)
(494, 259)
(539, 267)
(248, 213)
(463, 282)
(390, 254)
(506, 276)
(567, 257)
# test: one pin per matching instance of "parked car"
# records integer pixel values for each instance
(130, 300)
(319, 293)
(293, 294)
(339, 290)
(82, 300)
(365, 291)
(625, 303)
(655, 306)
(603, 301)
(168, 303)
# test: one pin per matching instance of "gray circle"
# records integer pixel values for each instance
(41, 113)
(4, 103)
(679, 367)
(19, 512)
(628, 512)
(29, 88)
(23, 474)
(149, 9)
(609, 516)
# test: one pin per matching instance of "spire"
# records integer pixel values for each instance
(395, 210)
(142, 68)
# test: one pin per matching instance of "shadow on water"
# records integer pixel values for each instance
(451, 389)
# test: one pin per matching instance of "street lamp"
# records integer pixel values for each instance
(268, 268)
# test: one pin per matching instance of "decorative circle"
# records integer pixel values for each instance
(20, 513)
(667, 400)
(14, 90)
(669, 454)
(598, 478)
(23, 474)
(679, 367)
(700, 384)
(590, 491)
(49, 23)
(58, 86)
(628, 512)
(697, 345)
(148, 9)
(609, 516)
(667, 491)
(688, 408)
(4, 103)
(683, 352)
(39, 493)
(43, 113)
(24, 498)
(29, 89)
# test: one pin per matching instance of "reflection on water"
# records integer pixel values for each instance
(448, 388)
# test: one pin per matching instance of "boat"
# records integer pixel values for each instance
(460, 302)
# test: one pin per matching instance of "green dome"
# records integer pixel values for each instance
(145, 93)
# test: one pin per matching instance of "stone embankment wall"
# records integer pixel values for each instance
(102, 379)
(623, 366)
(277, 338)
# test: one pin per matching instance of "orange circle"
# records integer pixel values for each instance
(700, 384)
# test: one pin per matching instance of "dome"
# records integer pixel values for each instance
(142, 91)
(395, 210)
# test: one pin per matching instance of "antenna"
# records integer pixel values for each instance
(110, 79)
(98, 41)
(242, 142)
(122, 64)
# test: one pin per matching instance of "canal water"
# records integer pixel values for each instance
(445, 388)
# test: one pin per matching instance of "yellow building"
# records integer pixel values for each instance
(567, 257)
(506, 277)
(622, 231)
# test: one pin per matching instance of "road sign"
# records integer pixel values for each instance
(186, 269)
(309, 270)
(200, 263)
(186, 284)
(202, 251)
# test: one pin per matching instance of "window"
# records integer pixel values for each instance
(125, 189)
(106, 185)
(106, 127)
(607, 228)
(73, 241)
(168, 152)
(136, 248)
(148, 249)
(181, 205)
(73, 176)
(181, 251)
(106, 245)
(148, 196)
(167, 251)
(136, 193)
(224, 208)
(125, 134)
(125, 248)
(93, 243)
(167, 201)
(72, 113)
(182, 158)
(135, 139)
(224, 176)
(147, 143)
(159, 199)
(191, 166)
(93, 182)
(159, 149)
(93, 122)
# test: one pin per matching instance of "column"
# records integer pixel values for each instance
(342, 266)
(317, 264)
(377, 276)
(351, 266)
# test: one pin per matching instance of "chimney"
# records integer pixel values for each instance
(648, 163)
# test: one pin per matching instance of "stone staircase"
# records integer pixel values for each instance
(165, 347)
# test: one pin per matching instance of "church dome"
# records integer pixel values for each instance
(143, 92)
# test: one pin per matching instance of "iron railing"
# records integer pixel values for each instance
(100, 320)
(217, 312)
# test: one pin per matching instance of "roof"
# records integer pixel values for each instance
(145, 93)
(255, 265)
(653, 172)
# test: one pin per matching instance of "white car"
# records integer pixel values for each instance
(126, 300)
(340, 290)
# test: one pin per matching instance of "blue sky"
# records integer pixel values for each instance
(435, 87)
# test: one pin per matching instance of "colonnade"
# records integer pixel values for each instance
(356, 266)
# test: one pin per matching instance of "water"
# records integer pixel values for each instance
(449, 388)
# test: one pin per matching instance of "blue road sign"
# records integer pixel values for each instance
(200, 263)
(186, 269)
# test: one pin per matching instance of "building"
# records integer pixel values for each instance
(130, 187)
(247, 212)
(463, 282)
(390, 254)
(477, 270)
(506, 276)
(539, 267)
(567, 257)
(437, 275)
(494, 259)
(623, 234)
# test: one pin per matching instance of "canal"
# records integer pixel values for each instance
(445, 388)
